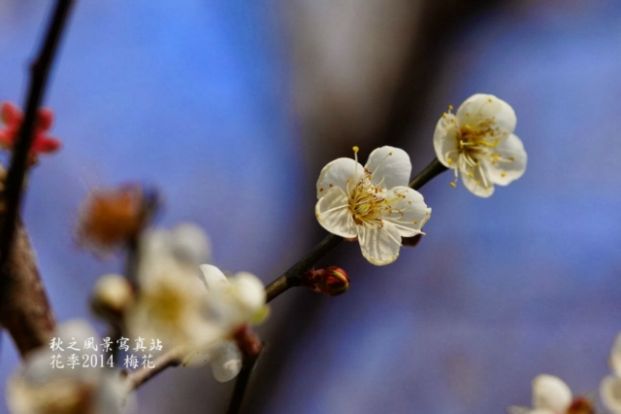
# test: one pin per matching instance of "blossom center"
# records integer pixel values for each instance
(366, 203)
(167, 304)
(478, 140)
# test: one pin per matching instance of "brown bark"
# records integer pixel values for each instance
(25, 311)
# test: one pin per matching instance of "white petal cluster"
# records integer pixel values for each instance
(171, 303)
(372, 203)
(233, 302)
(550, 395)
(478, 143)
(39, 388)
(189, 306)
(610, 389)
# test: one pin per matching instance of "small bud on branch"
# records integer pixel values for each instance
(331, 280)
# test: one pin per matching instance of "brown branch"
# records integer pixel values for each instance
(40, 71)
(24, 308)
(171, 358)
(241, 383)
(292, 276)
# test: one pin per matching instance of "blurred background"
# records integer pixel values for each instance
(231, 108)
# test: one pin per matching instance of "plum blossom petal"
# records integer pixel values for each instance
(380, 245)
(446, 139)
(407, 210)
(332, 212)
(481, 108)
(234, 301)
(507, 162)
(615, 356)
(610, 388)
(226, 361)
(339, 173)
(610, 391)
(475, 178)
(551, 393)
(389, 166)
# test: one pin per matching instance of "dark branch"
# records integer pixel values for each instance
(292, 276)
(433, 169)
(40, 72)
(24, 308)
(171, 358)
(241, 383)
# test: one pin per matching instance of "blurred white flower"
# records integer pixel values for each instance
(478, 143)
(38, 387)
(372, 203)
(225, 360)
(233, 303)
(610, 389)
(171, 303)
(185, 243)
(552, 396)
(112, 295)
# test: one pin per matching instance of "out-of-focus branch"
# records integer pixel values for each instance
(241, 383)
(40, 71)
(171, 358)
(24, 308)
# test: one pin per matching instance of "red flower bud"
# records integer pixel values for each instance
(12, 118)
(247, 341)
(581, 406)
(331, 281)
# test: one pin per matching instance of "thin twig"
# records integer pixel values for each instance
(40, 71)
(292, 276)
(171, 358)
(433, 169)
(241, 383)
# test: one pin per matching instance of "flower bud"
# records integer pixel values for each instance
(247, 341)
(581, 405)
(331, 280)
(112, 295)
(111, 218)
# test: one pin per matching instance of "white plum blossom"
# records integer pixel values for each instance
(233, 303)
(610, 389)
(171, 303)
(372, 203)
(552, 396)
(236, 300)
(478, 143)
(39, 387)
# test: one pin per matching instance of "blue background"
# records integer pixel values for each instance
(196, 98)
